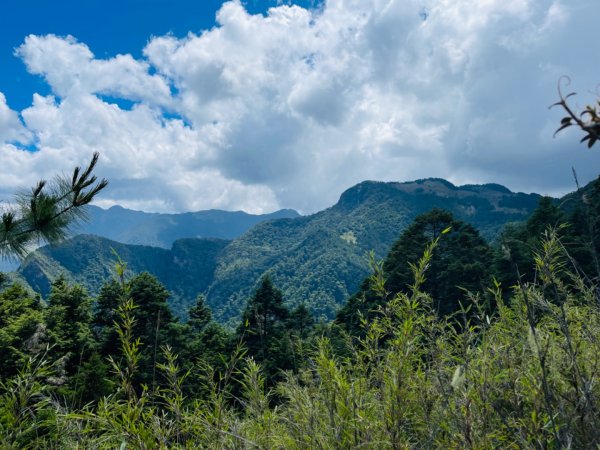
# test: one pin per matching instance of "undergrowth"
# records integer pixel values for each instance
(524, 376)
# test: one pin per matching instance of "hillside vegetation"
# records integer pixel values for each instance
(186, 269)
(317, 260)
(498, 366)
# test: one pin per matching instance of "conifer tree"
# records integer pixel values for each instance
(69, 317)
(105, 316)
(69, 322)
(45, 213)
(514, 259)
(263, 328)
(547, 214)
(301, 321)
(204, 344)
(22, 328)
(460, 262)
(155, 326)
(199, 314)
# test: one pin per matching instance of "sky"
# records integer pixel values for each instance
(261, 105)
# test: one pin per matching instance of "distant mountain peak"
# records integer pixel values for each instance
(360, 192)
(433, 182)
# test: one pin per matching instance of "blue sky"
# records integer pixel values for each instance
(259, 105)
(108, 27)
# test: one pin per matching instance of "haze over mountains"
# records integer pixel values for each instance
(161, 230)
(318, 260)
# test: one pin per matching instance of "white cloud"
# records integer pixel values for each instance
(70, 68)
(11, 128)
(291, 108)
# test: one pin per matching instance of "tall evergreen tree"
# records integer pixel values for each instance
(155, 325)
(69, 321)
(205, 345)
(514, 252)
(301, 321)
(199, 315)
(547, 214)
(69, 317)
(460, 262)
(263, 328)
(22, 328)
(105, 315)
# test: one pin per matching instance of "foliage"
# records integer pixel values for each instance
(45, 213)
(186, 269)
(153, 324)
(460, 263)
(68, 318)
(22, 328)
(588, 120)
(523, 376)
(263, 329)
(27, 413)
(578, 224)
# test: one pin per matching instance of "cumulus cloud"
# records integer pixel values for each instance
(70, 69)
(289, 108)
(11, 128)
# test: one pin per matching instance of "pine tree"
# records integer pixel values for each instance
(155, 326)
(105, 316)
(547, 214)
(514, 259)
(199, 315)
(22, 328)
(301, 321)
(69, 317)
(263, 328)
(460, 262)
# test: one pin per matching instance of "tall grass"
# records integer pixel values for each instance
(525, 376)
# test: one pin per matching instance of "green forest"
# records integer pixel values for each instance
(452, 342)
(318, 260)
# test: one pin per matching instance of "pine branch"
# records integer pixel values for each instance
(46, 212)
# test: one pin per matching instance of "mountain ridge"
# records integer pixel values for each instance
(317, 259)
(335, 242)
(162, 229)
(186, 269)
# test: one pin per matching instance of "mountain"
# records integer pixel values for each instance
(161, 230)
(186, 269)
(318, 259)
(321, 259)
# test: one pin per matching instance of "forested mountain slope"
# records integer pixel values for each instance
(318, 260)
(321, 259)
(185, 269)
